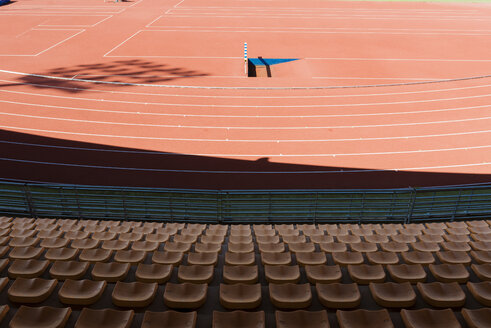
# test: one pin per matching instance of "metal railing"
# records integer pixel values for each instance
(249, 206)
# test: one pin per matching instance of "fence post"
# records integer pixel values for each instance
(411, 206)
(28, 197)
(457, 204)
(219, 207)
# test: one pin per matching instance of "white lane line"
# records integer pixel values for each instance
(86, 26)
(156, 19)
(119, 45)
(58, 43)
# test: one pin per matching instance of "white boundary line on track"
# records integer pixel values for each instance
(86, 26)
(436, 11)
(120, 44)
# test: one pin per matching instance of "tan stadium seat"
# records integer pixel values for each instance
(104, 318)
(383, 258)
(348, 239)
(455, 246)
(85, 243)
(240, 296)
(428, 318)
(246, 274)
(358, 231)
(377, 239)
(319, 239)
(205, 258)
(27, 268)
(61, 254)
(363, 247)
(208, 247)
(481, 257)
(198, 274)
(54, 242)
(323, 273)
(134, 294)
(481, 245)
(282, 273)
(165, 257)
(62, 270)
(111, 271)
(481, 291)
(456, 224)
(270, 247)
(157, 237)
(24, 253)
(144, 230)
(454, 257)
(276, 258)
(404, 239)
(93, 228)
(145, 246)
(333, 247)
(411, 231)
(185, 295)
(275, 239)
(347, 258)
(171, 319)
(423, 246)
(192, 231)
(33, 290)
(294, 239)
(338, 296)
(337, 232)
(290, 296)
(456, 238)
(311, 258)
(130, 256)
(104, 235)
(240, 258)
(449, 272)
(301, 247)
(288, 232)
(130, 236)
(366, 273)
(238, 319)
(430, 238)
(4, 309)
(246, 233)
(412, 273)
(240, 248)
(364, 319)
(176, 246)
(481, 236)
(115, 245)
(159, 273)
(478, 318)
(482, 271)
(40, 317)
(95, 255)
(75, 234)
(477, 223)
(23, 241)
(186, 239)
(386, 231)
(119, 229)
(440, 295)
(248, 239)
(393, 295)
(302, 318)
(22, 233)
(458, 230)
(81, 292)
(417, 257)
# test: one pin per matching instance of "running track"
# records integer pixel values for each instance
(384, 94)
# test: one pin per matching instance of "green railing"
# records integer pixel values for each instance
(233, 206)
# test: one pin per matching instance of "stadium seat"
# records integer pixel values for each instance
(44, 316)
(111, 272)
(319, 239)
(104, 235)
(403, 239)
(481, 257)
(418, 257)
(484, 237)
(130, 256)
(134, 294)
(22, 233)
(95, 255)
(176, 246)
(81, 292)
(382, 257)
(393, 295)
(364, 319)
(198, 274)
(423, 246)
(481, 291)
(85, 243)
(301, 247)
(440, 295)
(185, 295)
(157, 237)
(3, 282)
(302, 318)
(290, 296)
(449, 272)
(366, 273)
(481, 245)
(347, 258)
(240, 247)
(323, 273)
(348, 239)
(338, 296)
(75, 234)
(23, 253)
(240, 296)
(455, 246)
(456, 238)
(270, 258)
(295, 239)
(428, 318)
(33, 290)
(208, 247)
(186, 239)
(246, 274)
(119, 229)
(130, 236)
(412, 273)
(144, 246)
(477, 318)
(240, 258)
(115, 245)
(54, 242)
(239, 319)
(430, 238)
(311, 258)
(61, 254)
(482, 271)
(333, 247)
(203, 258)
(365, 247)
(169, 319)
(282, 273)
(107, 318)
(377, 239)
(454, 257)
(3, 264)
(27, 268)
(167, 257)
(158, 273)
(265, 247)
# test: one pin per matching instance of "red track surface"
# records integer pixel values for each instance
(186, 116)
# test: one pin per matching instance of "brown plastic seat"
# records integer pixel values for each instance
(338, 296)
(240, 258)
(130, 236)
(157, 237)
(386, 231)
(481, 236)
(456, 246)
(417, 257)
(311, 258)
(240, 247)
(440, 295)
(270, 247)
(61, 254)
(273, 258)
(363, 247)
(130, 256)
(323, 273)
(177, 246)
(204, 258)
(93, 228)
(393, 295)
(22, 233)
(295, 239)
(120, 229)
(3, 264)
(159, 273)
(86, 243)
(377, 239)
(95, 255)
(146, 246)
(62, 270)
(431, 238)
(302, 318)
(104, 318)
(364, 319)
(481, 257)
(238, 319)
(478, 318)
(246, 274)
(428, 318)
(412, 273)
(33, 290)
(186, 239)
(423, 246)
(40, 317)
(280, 274)
(482, 271)
(81, 292)
(248, 239)
(383, 258)
(347, 258)
(481, 291)
(208, 247)
(54, 242)
(333, 247)
(25, 253)
(27, 268)
(198, 274)
(456, 238)
(115, 245)
(104, 235)
(111, 271)
(449, 272)
(144, 230)
(366, 273)
(240, 296)
(481, 245)
(454, 257)
(23, 241)
(171, 319)
(404, 239)
(134, 294)
(290, 296)
(185, 295)
(3, 282)
(348, 239)
(318, 239)
(301, 247)
(173, 258)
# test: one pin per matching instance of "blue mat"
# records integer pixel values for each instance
(4, 2)
(270, 61)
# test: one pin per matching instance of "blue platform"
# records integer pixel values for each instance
(4, 2)
(270, 61)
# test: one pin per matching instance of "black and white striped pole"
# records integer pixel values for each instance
(245, 58)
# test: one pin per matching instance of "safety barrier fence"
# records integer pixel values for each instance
(245, 206)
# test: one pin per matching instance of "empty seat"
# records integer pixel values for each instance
(173, 258)
(115, 245)
(301, 247)
(481, 291)
(363, 247)
(449, 272)
(208, 247)
(482, 236)
(290, 296)
(185, 295)
(248, 239)
(85, 243)
(170, 319)
(364, 319)
(478, 318)
(145, 246)
(423, 246)
(240, 247)
(198, 274)
(318, 239)
(333, 247)
(81, 292)
(24, 253)
(238, 319)
(282, 273)
(428, 318)
(40, 317)
(323, 273)
(240, 296)
(481, 256)
(295, 239)
(412, 273)
(311, 258)
(269, 247)
(455, 246)
(439, 294)
(33, 290)
(240, 258)
(61, 254)
(456, 238)
(111, 271)
(482, 271)
(204, 258)
(401, 238)
(62, 270)
(3, 282)
(348, 239)
(431, 238)
(130, 256)
(302, 318)
(107, 318)
(27, 268)
(347, 258)
(366, 273)
(130, 236)
(377, 239)
(383, 258)
(176, 246)
(454, 257)
(481, 245)
(246, 274)
(134, 294)
(417, 257)
(95, 255)
(393, 295)
(157, 237)
(104, 235)
(338, 296)
(159, 273)
(268, 258)
(23, 241)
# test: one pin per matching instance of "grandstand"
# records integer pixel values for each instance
(230, 163)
